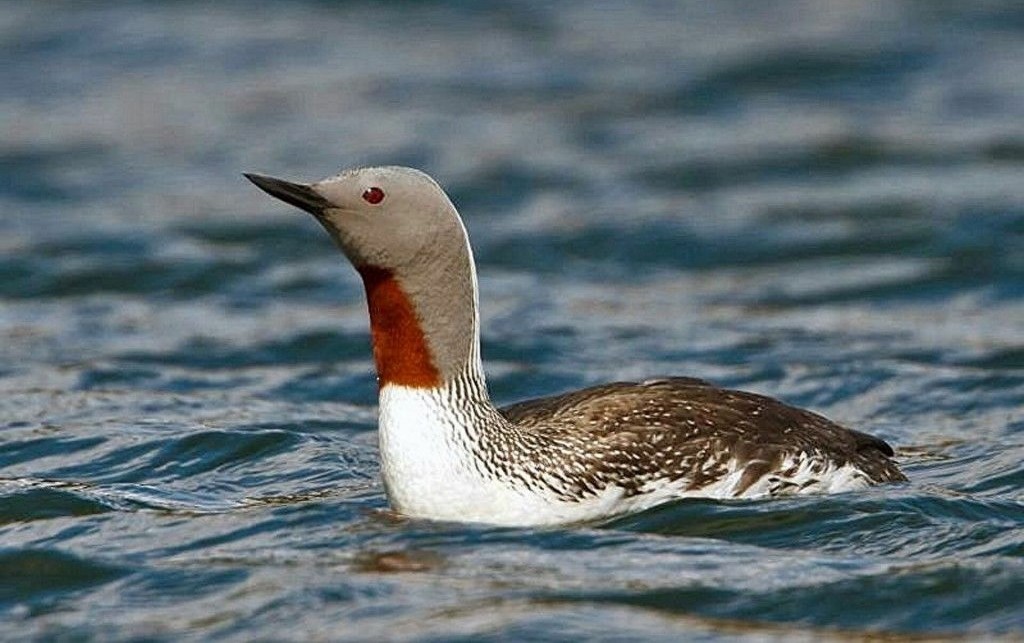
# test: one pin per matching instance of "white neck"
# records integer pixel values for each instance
(428, 437)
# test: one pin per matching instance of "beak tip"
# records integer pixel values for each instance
(257, 179)
(296, 194)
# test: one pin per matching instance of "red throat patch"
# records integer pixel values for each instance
(399, 346)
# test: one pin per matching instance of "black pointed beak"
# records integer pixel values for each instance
(298, 194)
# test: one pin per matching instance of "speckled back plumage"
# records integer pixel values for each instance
(685, 430)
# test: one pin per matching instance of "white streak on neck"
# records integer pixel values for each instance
(475, 367)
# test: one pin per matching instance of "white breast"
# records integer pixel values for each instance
(430, 471)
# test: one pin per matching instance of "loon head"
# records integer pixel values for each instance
(389, 218)
(404, 236)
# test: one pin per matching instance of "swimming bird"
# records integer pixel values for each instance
(448, 453)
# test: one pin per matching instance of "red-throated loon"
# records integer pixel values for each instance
(448, 453)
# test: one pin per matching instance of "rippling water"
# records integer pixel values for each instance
(820, 201)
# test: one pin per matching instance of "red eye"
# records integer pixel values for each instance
(373, 196)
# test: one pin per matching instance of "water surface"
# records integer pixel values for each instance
(823, 202)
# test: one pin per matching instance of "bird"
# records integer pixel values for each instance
(448, 453)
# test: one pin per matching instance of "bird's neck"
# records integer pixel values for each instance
(425, 325)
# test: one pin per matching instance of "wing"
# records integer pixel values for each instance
(690, 429)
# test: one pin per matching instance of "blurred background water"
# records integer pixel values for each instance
(820, 201)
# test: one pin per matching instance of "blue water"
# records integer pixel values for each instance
(819, 201)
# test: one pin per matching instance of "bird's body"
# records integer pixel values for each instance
(448, 453)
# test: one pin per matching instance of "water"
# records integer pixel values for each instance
(820, 201)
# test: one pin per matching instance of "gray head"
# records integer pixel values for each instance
(384, 217)
(402, 233)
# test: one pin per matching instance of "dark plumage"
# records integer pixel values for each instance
(629, 433)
